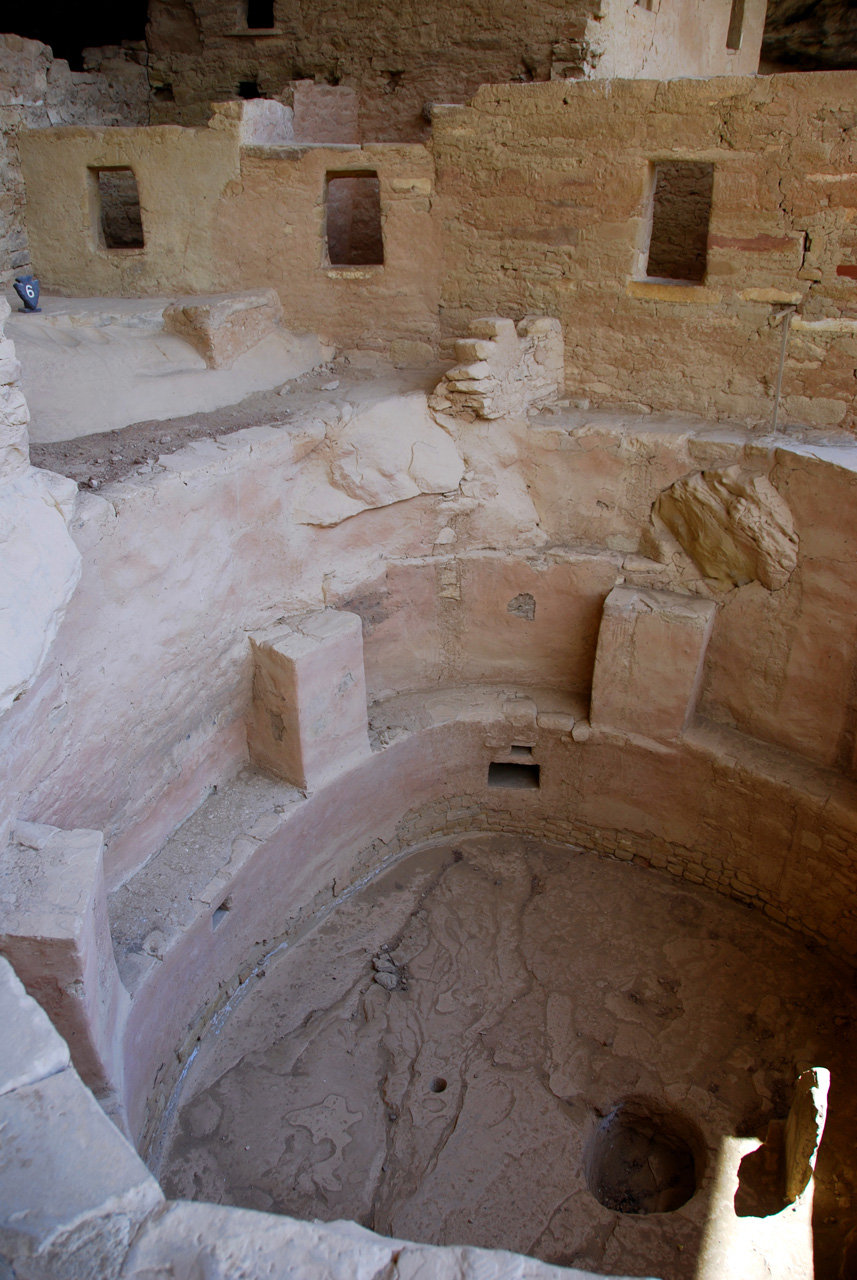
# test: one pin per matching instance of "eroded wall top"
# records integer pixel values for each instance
(402, 59)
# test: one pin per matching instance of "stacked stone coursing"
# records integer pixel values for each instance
(38, 91)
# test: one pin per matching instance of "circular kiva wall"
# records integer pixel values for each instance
(480, 763)
(561, 628)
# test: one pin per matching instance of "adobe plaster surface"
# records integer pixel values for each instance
(39, 91)
(643, 618)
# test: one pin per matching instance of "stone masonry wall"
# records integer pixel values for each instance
(38, 91)
(402, 58)
(545, 192)
(534, 200)
(398, 57)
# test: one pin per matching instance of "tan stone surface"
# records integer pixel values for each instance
(475, 228)
(54, 930)
(325, 113)
(32, 1049)
(649, 663)
(266, 1247)
(734, 525)
(38, 91)
(522, 173)
(308, 719)
(393, 66)
(73, 1191)
(75, 1196)
(181, 175)
(91, 365)
(222, 217)
(778, 666)
(373, 456)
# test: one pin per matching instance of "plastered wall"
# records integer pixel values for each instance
(658, 40)
(140, 709)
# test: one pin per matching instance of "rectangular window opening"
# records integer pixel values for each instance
(681, 210)
(120, 220)
(735, 34)
(524, 777)
(249, 89)
(220, 913)
(260, 15)
(353, 220)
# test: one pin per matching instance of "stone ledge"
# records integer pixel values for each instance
(664, 291)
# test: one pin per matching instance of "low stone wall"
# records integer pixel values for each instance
(201, 51)
(220, 216)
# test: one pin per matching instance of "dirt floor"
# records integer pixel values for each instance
(521, 1046)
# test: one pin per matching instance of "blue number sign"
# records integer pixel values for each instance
(27, 289)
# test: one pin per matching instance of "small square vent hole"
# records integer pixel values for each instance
(520, 753)
(524, 777)
(221, 912)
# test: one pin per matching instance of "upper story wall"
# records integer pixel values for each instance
(38, 91)
(662, 39)
(546, 196)
(397, 57)
(401, 58)
(217, 215)
(533, 199)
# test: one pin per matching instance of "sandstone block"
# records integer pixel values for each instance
(224, 326)
(804, 1129)
(648, 664)
(266, 123)
(407, 354)
(220, 1242)
(55, 932)
(556, 721)
(325, 113)
(505, 370)
(308, 721)
(385, 453)
(734, 525)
